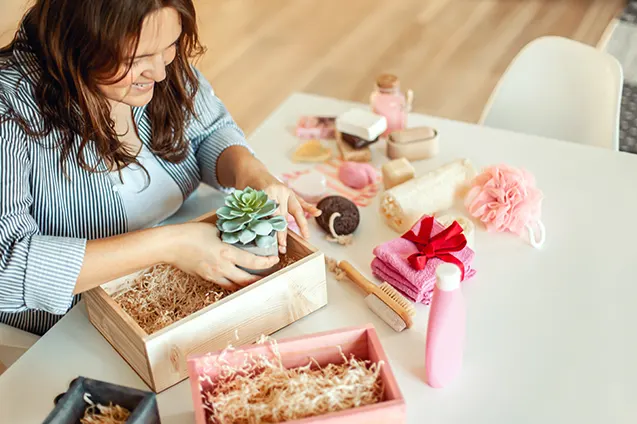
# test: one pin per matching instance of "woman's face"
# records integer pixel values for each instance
(157, 48)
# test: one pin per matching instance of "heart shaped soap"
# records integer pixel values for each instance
(357, 175)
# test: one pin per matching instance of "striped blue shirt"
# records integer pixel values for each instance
(46, 218)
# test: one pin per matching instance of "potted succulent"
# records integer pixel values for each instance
(247, 221)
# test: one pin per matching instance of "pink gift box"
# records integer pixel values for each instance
(362, 342)
(309, 127)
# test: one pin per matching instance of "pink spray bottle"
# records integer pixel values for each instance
(446, 328)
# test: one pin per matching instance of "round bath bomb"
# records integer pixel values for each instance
(357, 175)
(344, 224)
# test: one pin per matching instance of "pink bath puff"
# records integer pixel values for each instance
(357, 175)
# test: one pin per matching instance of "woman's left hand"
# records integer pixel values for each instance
(288, 202)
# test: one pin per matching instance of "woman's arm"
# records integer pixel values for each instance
(36, 271)
(115, 257)
(44, 272)
(212, 131)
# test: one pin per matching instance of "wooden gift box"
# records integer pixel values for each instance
(362, 342)
(264, 307)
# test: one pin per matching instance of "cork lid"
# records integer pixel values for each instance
(387, 81)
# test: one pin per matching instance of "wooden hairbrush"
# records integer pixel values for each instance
(384, 300)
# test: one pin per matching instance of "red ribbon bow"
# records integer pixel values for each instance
(439, 246)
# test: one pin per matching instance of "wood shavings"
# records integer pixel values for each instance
(165, 294)
(332, 266)
(100, 414)
(285, 261)
(262, 390)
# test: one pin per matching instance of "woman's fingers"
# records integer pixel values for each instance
(236, 256)
(238, 276)
(221, 281)
(309, 208)
(296, 210)
(282, 236)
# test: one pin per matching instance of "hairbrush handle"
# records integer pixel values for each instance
(357, 277)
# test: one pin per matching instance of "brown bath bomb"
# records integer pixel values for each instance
(344, 224)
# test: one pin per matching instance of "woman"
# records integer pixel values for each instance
(105, 129)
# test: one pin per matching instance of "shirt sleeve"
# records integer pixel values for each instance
(36, 271)
(212, 131)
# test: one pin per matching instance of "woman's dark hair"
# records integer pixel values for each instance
(80, 44)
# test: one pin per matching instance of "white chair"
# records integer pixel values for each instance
(559, 88)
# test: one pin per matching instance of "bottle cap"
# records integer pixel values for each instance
(387, 81)
(448, 277)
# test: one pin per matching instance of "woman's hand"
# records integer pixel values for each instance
(236, 167)
(288, 201)
(198, 250)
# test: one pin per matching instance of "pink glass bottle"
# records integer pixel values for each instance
(446, 328)
(387, 100)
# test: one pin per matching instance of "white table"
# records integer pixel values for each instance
(550, 334)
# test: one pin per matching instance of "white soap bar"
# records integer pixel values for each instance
(311, 187)
(361, 123)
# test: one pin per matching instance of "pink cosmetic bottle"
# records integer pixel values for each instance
(446, 328)
(387, 100)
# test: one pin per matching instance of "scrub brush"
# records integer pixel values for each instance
(383, 300)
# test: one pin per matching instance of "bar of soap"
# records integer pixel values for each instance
(357, 142)
(361, 123)
(309, 127)
(397, 172)
(348, 153)
(412, 134)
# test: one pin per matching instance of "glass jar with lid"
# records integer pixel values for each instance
(387, 100)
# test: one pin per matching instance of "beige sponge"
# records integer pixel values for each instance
(402, 206)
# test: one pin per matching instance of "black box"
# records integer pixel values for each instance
(70, 406)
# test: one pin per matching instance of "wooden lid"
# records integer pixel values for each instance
(387, 81)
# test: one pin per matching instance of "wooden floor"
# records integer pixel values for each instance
(450, 52)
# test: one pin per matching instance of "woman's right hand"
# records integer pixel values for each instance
(198, 250)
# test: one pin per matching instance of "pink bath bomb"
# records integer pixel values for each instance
(356, 175)
(371, 172)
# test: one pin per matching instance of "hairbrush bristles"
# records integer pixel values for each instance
(399, 298)
(400, 307)
(385, 312)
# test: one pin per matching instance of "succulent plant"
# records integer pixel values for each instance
(248, 217)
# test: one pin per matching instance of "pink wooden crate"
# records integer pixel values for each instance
(362, 342)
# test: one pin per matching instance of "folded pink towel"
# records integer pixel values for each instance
(391, 265)
(385, 273)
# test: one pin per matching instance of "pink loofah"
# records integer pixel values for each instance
(357, 175)
(506, 199)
